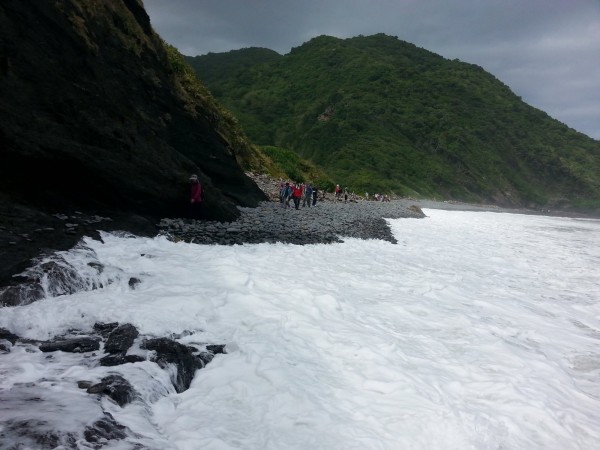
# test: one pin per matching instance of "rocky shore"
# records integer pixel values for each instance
(328, 221)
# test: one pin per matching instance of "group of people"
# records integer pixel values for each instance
(306, 194)
(297, 192)
(379, 197)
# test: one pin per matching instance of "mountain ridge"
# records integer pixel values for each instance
(378, 113)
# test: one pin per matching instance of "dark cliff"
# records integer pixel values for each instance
(95, 117)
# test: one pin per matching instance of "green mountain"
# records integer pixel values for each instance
(380, 114)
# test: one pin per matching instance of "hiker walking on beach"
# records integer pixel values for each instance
(308, 192)
(297, 195)
(285, 195)
(338, 191)
(196, 198)
(281, 192)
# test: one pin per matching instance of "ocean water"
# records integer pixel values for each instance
(476, 331)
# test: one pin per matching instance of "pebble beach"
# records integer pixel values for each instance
(328, 221)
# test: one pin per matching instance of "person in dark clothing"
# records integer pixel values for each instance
(308, 190)
(315, 193)
(285, 195)
(196, 198)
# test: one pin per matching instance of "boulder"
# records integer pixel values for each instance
(115, 387)
(72, 345)
(5, 334)
(104, 430)
(120, 339)
(117, 360)
(168, 352)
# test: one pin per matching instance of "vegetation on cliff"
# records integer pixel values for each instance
(194, 92)
(288, 165)
(380, 114)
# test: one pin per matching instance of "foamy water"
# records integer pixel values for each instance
(477, 330)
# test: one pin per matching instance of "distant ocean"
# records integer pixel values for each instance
(477, 330)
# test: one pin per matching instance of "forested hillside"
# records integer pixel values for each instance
(380, 114)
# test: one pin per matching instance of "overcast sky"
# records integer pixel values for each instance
(546, 51)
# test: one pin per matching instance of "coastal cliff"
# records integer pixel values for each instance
(99, 129)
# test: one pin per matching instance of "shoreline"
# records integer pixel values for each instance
(326, 222)
(459, 206)
(28, 235)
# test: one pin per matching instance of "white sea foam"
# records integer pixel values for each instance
(477, 330)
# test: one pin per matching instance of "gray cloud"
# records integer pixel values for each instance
(546, 51)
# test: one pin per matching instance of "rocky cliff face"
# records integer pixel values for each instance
(94, 119)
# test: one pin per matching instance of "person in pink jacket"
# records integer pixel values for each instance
(196, 197)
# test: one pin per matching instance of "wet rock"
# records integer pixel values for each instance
(82, 384)
(72, 345)
(121, 338)
(205, 357)
(117, 360)
(115, 387)
(5, 334)
(171, 352)
(104, 329)
(34, 434)
(104, 430)
(216, 348)
(133, 282)
(62, 277)
(21, 294)
(5, 346)
(96, 265)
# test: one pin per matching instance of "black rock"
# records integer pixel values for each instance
(171, 352)
(21, 294)
(105, 429)
(96, 265)
(5, 334)
(34, 434)
(116, 387)
(104, 329)
(121, 338)
(62, 278)
(117, 360)
(133, 282)
(205, 357)
(216, 348)
(82, 384)
(5, 346)
(73, 345)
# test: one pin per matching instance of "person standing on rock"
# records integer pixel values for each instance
(196, 198)
(315, 193)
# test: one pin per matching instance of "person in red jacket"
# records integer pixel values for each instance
(196, 197)
(297, 195)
